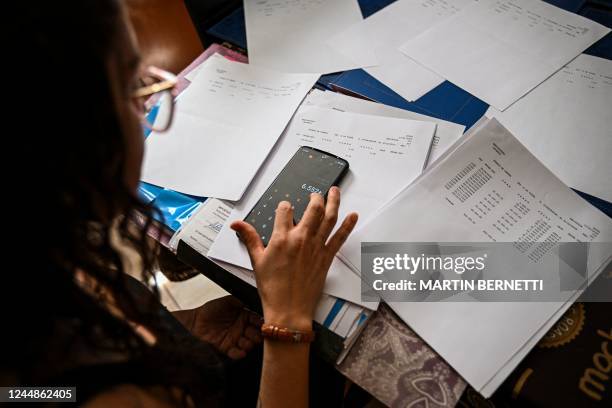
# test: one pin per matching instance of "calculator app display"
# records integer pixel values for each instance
(309, 171)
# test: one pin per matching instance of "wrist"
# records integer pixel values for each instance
(289, 321)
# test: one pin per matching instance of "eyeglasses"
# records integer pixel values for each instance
(156, 98)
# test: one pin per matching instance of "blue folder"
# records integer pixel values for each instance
(603, 47)
(446, 101)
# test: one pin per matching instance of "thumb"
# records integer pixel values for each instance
(249, 236)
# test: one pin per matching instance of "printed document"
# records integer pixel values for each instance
(566, 123)
(226, 123)
(446, 132)
(291, 35)
(380, 35)
(499, 50)
(490, 188)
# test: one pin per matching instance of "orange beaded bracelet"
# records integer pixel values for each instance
(273, 332)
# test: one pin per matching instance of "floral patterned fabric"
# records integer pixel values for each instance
(394, 365)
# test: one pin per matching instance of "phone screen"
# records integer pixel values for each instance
(309, 171)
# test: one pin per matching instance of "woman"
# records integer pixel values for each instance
(91, 326)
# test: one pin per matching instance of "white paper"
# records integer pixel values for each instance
(375, 174)
(187, 294)
(226, 123)
(202, 228)
(380, 35)
(446, 132)
(290, 35)
(499, 50)
(488, 339)
(566, 123)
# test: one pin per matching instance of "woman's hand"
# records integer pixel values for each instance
(225, 324)
(290, 272)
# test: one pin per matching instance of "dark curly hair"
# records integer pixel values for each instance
(66, 130)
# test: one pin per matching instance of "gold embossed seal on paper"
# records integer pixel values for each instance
(566, 329)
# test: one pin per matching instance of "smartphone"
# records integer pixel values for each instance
(309, 171)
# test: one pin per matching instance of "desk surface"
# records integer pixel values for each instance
(540, 366)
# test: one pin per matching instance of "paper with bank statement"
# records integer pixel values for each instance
(384, 155)
(228, 106)
(486, 188)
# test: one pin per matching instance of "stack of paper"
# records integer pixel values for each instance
(566, 123)
(226, 122)
(499, 50)
(384, 154)
(484, 341)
